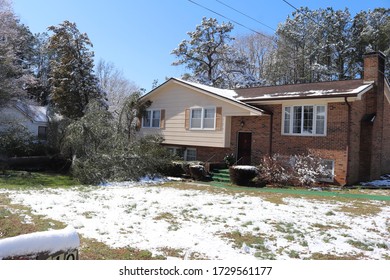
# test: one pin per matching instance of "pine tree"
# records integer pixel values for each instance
(371, 32)
(210, 57)
(73, 82)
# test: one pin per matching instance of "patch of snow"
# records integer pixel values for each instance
(245, 167)
(308, 93)
(33, 243)
(198, 222)
(224, 93)
(383, 182)
(147, 180)
(227, 93)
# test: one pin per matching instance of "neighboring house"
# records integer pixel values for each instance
(346, 123)
(33, 117)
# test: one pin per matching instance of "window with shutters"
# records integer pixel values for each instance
(202, 118)
(152, 119)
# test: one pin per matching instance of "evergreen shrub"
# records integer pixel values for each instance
(242, 175)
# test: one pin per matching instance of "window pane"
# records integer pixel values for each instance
(42, 132)
(287, 112)
(209, 115)
(208, 123)
(156, 118)
(320, 120)
(297, 119)
(308, 119)
(146, 121)
(191, 154)
(196, 118)
(196, 113)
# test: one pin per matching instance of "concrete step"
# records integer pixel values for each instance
(221, 175)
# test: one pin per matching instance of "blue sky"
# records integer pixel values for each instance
(139, 35)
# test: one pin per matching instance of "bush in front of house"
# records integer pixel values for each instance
(303, 170)
(173, 169)
(275, 170)
(242, 175)
(16, 141)
(198, 172)
(308, 170)
(190, 169)
(229, 159)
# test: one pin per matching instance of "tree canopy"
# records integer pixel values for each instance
(209, 55)
(310, 46)
(15, 54)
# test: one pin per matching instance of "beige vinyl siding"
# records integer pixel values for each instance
(175, 99)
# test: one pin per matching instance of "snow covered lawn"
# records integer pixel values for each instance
(218, 224)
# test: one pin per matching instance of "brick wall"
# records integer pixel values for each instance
(260, 129)
(333, 146)
(386, 138)
(358, 109)
(374, 66)
(207, 153)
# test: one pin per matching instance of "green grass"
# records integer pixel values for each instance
(254, 241)
(361, 245)
(23, 179)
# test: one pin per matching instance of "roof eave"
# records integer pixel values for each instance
(253, 110)
(356, 95)
(297, 97)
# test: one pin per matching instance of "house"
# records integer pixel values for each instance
(347, 123)
(32, 117)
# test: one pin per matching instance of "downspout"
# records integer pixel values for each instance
(348, 137)
(270, 133)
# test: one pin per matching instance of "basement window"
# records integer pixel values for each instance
(190, 154)
(329, 171)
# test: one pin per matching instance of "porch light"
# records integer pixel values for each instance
(242, 123)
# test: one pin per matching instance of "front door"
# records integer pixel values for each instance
(244, 148)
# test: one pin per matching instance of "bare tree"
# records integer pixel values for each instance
(259, 50)
(116, 86)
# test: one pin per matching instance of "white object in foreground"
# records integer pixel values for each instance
(39, 242)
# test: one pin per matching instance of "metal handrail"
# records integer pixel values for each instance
(237, 161)
(211, 157)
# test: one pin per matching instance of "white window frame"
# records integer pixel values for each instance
(202, 119)
(329, 179)
(177, 151)
(291, 120)
(152, 111)
(186, 154)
